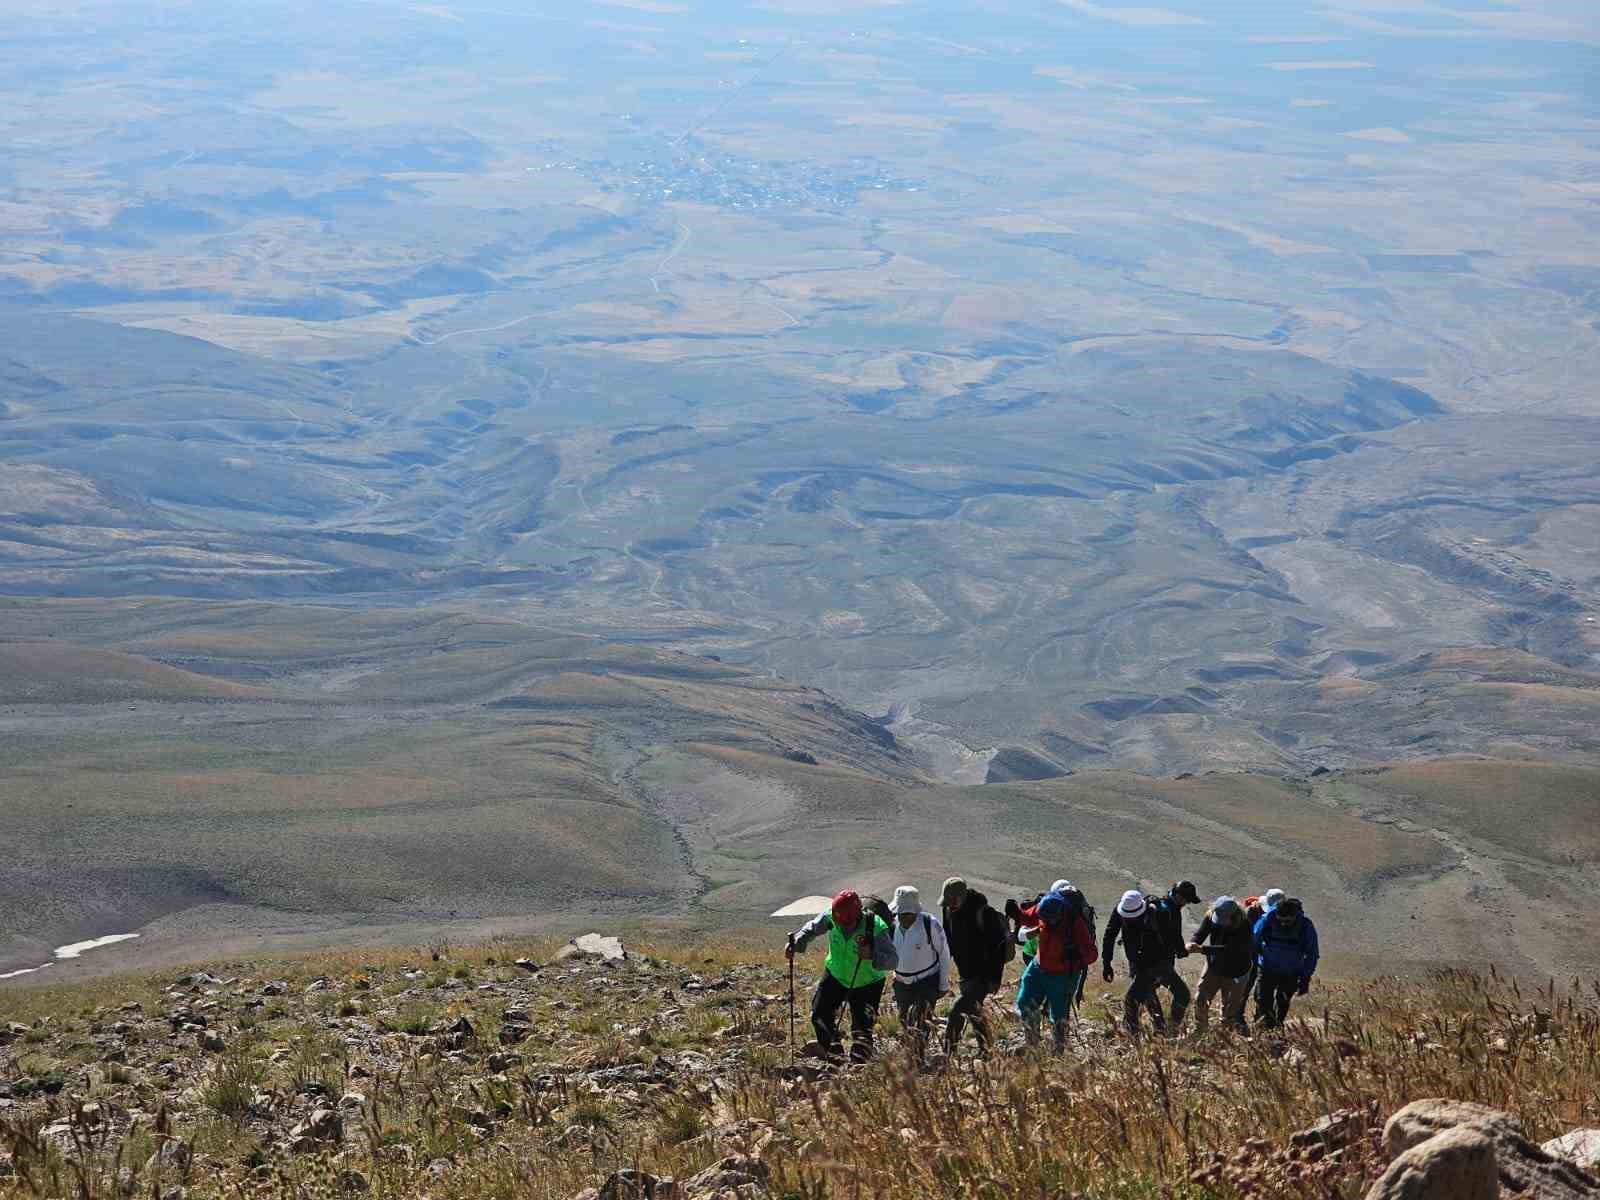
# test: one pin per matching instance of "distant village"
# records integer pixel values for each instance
(689, 172)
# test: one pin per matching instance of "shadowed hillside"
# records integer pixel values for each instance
(226, 776)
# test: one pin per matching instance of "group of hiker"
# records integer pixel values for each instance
(1266, 943)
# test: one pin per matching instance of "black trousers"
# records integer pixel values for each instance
(1273, 995)
(863, 1001)
(969, 1007)
(1142, 994)
(914, 1002)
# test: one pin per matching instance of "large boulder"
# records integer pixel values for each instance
(1421, 1119)
(1581, 1146)
(1453, 1150)
(594, 945)
(1457, 1164)
(734, 1178)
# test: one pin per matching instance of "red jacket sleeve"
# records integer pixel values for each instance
(1030, 915)
(1083, 940)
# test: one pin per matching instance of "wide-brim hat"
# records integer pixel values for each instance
(906, 900)
(1132, 903)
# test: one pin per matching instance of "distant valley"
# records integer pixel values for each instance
(461, 465)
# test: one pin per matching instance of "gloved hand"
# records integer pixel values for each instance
(1109, 973)
(1305, 985)
(863, 947)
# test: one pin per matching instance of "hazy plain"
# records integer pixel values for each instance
(1065, 387)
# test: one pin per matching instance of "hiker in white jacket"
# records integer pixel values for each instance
(922, 973)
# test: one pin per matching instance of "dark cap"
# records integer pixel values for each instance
(1186, 892)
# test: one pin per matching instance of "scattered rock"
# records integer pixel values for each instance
(733, 1177)
(353, 1182)
(593, 945)
(629, 1184)
(276, 988)
(1336, 1130)
(352, 1100)
(1581, 1146)
(528, 965)
(172, 1157)
(323, 1125)
(210, 1041)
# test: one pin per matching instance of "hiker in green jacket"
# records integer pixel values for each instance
(861, 954)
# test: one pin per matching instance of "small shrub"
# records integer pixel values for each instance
(238, 1075)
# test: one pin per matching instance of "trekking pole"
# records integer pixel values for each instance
(791, 1001)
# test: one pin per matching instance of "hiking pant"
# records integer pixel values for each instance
(969, 1007)
(914, 1001)
(1273, 994)
(1234, 993)
(863, 1002)
(1142, 994)
(1040, 989)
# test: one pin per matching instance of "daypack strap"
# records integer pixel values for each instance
(938, 960)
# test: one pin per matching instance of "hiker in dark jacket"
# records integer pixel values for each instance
(1255, 908)
(860, 956)
(1066, 950)
(1286, 959)
(1152, 940)
(1228, 960)
(977, 936)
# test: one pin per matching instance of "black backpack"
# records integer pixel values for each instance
(998, 931)
(878, 907)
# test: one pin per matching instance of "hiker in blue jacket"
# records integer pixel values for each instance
(1286, 955)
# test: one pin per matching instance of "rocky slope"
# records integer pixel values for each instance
(594, 1070)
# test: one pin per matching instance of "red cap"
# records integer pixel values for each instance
(846, 908)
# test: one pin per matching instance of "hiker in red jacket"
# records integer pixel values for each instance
(1066, 949)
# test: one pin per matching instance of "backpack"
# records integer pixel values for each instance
(998, 931)
(1078, 904)
(878, 907)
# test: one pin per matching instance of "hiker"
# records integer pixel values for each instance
(1152, 940)
(1286, 954)
(1027, 936)
(1066, 950)
(922, 967)
(860, 956)
(980, 943)
(1254, 909)
(1228, 960)
(1076, 897)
